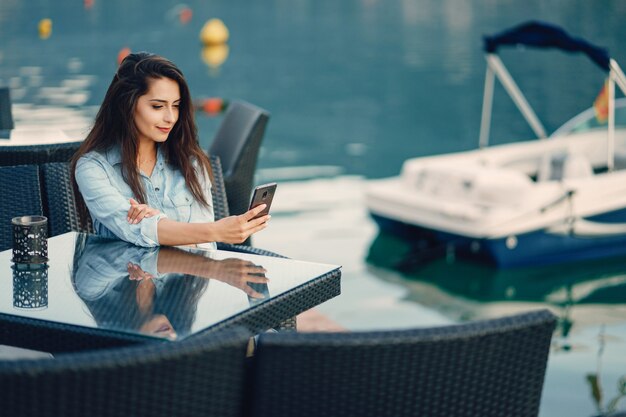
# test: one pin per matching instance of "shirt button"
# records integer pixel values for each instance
(156, 189)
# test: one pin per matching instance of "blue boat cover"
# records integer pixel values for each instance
(545, 35)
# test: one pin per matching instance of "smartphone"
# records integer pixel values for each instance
(263, 194)
(262, 289)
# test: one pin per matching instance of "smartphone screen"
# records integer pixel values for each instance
(263, 194)
(262, 289)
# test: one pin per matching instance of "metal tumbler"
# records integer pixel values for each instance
(30, 239)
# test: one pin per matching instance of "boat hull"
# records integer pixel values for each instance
(541, 247)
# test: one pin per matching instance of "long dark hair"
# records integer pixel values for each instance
(115, 125)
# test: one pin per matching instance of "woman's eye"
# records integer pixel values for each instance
(156, 107)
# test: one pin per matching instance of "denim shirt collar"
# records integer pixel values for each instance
(114, 156)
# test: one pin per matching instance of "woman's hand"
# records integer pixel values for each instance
(236, 229)
(138, 212)
(135, 273)
(238, 273)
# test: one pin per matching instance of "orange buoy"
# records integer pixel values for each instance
(123, 53)
(185, 15)
(211, 106)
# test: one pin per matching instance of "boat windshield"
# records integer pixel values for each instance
(587, 121)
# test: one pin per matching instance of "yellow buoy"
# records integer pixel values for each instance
(214, 32)
(45, 28)
(214, 55)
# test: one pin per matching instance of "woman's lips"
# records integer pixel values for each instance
(164, 129)
(164, 328)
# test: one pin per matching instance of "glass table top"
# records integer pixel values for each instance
(165, 292)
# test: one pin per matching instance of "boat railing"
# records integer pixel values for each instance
(497, 68)
(616, 76)
(543, 35)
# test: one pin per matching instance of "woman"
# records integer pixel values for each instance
(141, 173)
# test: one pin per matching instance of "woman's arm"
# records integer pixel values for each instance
(233, 229)
(233, 271)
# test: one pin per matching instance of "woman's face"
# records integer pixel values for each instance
(156, 112)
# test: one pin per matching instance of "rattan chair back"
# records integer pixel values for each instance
(37, 154)
(220, 199)
(20, 197)
(6, 114)
(478, 369)
(199, 376)
(60, 200)
(237, 143)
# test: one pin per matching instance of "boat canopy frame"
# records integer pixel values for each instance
(543, 35)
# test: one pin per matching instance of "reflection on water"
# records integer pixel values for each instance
(588, 297)
(604, 404)
(29, 84)
(214, 56)
(39, 102)
(598, 285)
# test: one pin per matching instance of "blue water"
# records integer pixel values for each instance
(354, 88)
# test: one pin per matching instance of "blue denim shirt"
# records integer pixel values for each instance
(104, 264)
(99, 178)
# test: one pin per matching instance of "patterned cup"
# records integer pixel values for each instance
(30, 239)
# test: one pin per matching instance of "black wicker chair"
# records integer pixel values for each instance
(200, 376)
(237, 144)
(37, 154)
(220, 200)
(485, 368)
(60, 200)
(6, 115)
(20, 197)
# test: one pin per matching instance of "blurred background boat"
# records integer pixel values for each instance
(528, 202)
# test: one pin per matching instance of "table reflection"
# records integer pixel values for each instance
(30, 286)
(154, 291)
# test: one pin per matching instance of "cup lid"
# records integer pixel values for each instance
(29, 220)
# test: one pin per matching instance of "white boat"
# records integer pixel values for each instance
(541, 201)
